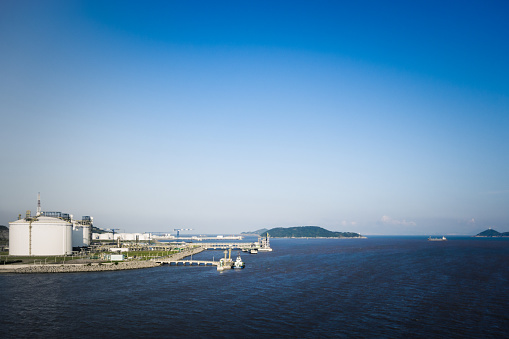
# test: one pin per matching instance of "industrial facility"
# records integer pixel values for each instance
(122, 236)
(48, 233)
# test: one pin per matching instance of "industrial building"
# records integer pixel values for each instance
(122, 236)
(48, 233)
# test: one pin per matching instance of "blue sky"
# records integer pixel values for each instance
(373, 117)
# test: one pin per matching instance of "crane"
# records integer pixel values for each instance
(113, 230)
(181, 229)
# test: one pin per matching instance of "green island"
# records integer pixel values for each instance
(491, 233)
(307, 232)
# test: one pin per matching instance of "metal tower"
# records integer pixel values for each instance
(38, 204)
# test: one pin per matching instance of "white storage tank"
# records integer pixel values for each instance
(106, 236)
(41, 235)
(77, 236)
(80, 236)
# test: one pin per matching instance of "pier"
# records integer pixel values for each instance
(177, 259)
(195, 238)
(187, 262)
(228, 245)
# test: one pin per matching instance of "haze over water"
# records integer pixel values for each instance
(388, 287)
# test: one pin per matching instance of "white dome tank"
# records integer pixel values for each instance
(40, 236)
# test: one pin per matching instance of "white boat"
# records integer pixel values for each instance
(253, 251)
(239, 263)
(437, 239)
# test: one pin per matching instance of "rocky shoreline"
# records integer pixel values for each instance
(69, 268)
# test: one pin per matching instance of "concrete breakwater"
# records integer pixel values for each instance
(94, 267)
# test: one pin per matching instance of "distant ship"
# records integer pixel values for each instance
(437, 239)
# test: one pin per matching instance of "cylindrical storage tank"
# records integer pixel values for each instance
(19, 237)
(81, 236)
(77, 236)
(40, 236)
(87, 235)
(106, 236)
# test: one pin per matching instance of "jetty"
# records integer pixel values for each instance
(228, 245)
(263, 244)
(177, 259)
(187, 262)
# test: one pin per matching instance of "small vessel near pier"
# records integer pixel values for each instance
(238, 262)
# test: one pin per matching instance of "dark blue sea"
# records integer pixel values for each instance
(380, 287)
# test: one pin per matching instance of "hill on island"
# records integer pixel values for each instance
(492, 233)
(4, 234)
(308, 232)
(257, 232)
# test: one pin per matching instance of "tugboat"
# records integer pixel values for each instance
(238, 262)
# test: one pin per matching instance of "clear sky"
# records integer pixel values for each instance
(378, 117)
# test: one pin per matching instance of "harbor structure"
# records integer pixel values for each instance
(225, 263)
(264, 243)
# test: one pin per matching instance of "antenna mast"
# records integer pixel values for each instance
(38, 204)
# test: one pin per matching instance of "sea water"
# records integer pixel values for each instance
(380, 287)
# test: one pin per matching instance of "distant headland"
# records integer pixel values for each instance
(304, 232)
(257, 232)
(491, 233)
